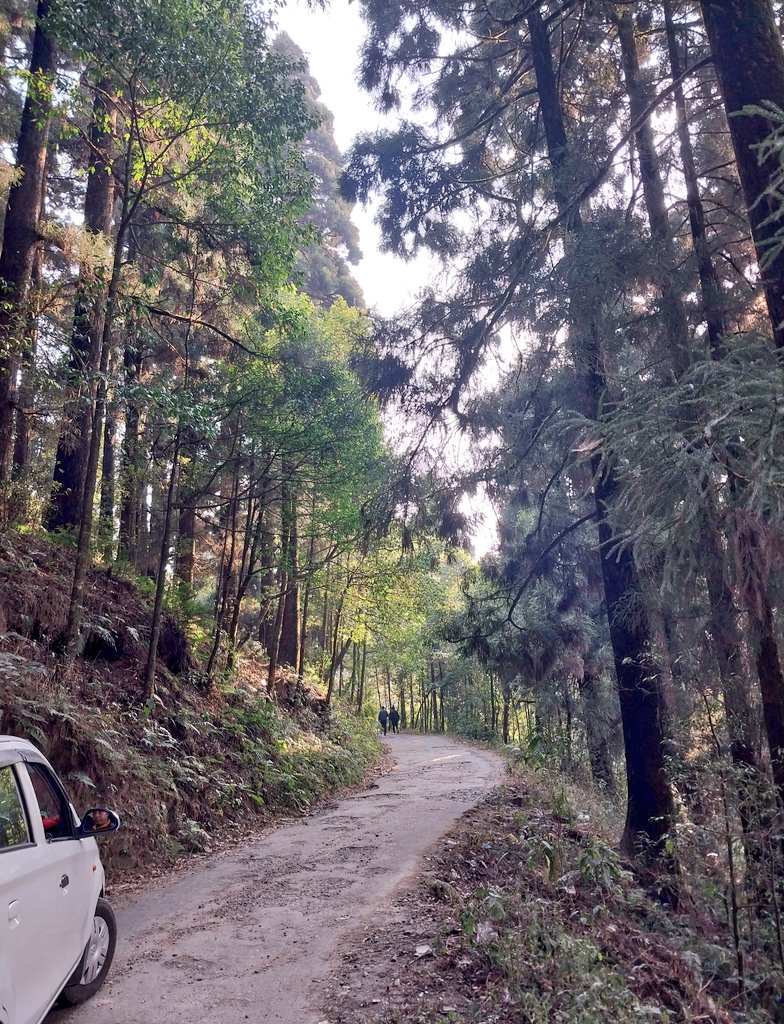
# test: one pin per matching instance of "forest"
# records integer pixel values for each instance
(195, 399)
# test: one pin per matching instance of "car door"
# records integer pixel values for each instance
(32, 959)
(73, 863)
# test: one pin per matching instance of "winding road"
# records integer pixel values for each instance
(252, 934)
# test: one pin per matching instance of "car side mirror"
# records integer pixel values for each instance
(99, 821)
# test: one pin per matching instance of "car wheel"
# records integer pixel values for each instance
(97, 958)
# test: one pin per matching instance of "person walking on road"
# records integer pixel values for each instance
(394, 718)
(382, 720)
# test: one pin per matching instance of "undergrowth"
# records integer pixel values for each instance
(180, 773)
(196, 761)
(533, 916)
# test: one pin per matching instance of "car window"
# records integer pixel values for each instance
(13, 823)
(52, 802)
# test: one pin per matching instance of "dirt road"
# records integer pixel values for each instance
(251, 935)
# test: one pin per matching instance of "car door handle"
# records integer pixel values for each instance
(13, 913)
(65, 882)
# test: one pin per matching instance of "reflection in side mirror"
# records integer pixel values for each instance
(99, 821)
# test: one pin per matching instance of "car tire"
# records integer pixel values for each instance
(96, 959)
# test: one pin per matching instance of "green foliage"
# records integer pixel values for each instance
(562, 808)
(581, 986)
(550, 970)
(544, 852)
(600, 865)
(211, 114)
(675, 447)
(553, 928)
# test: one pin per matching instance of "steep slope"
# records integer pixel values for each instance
(198, 760)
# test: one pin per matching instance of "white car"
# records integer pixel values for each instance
(57, 932)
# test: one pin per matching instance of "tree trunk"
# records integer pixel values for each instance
(277, 625)
(266, 584)
(254, 560)
(728, 649)
(108, 482)
(441, 718)
(90, 303)
(185, 563)
(710, 286)
(749, 61)
(353, 681)
(724, 615)
(388, 679)
(650, 807)
(362, 674)
(568, 717)
(25, 399)
(150, 537)
(493, 711)
(334, 649)
(771, 679)
(595, 734)
(160, 582)
(289, 638)
(402, 701)
(441, 687)
(306, 608)
(88, 497)
(131, 468)
(20, 230)
(340, 653)
(740, 32)
(244, 574)
(226, 569)
(675, 322)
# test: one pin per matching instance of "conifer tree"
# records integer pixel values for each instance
(498, 84)
(749, 59)
(21, 224)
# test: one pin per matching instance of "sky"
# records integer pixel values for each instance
(331, 41)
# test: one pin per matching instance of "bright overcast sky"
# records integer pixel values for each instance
(331, 40)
